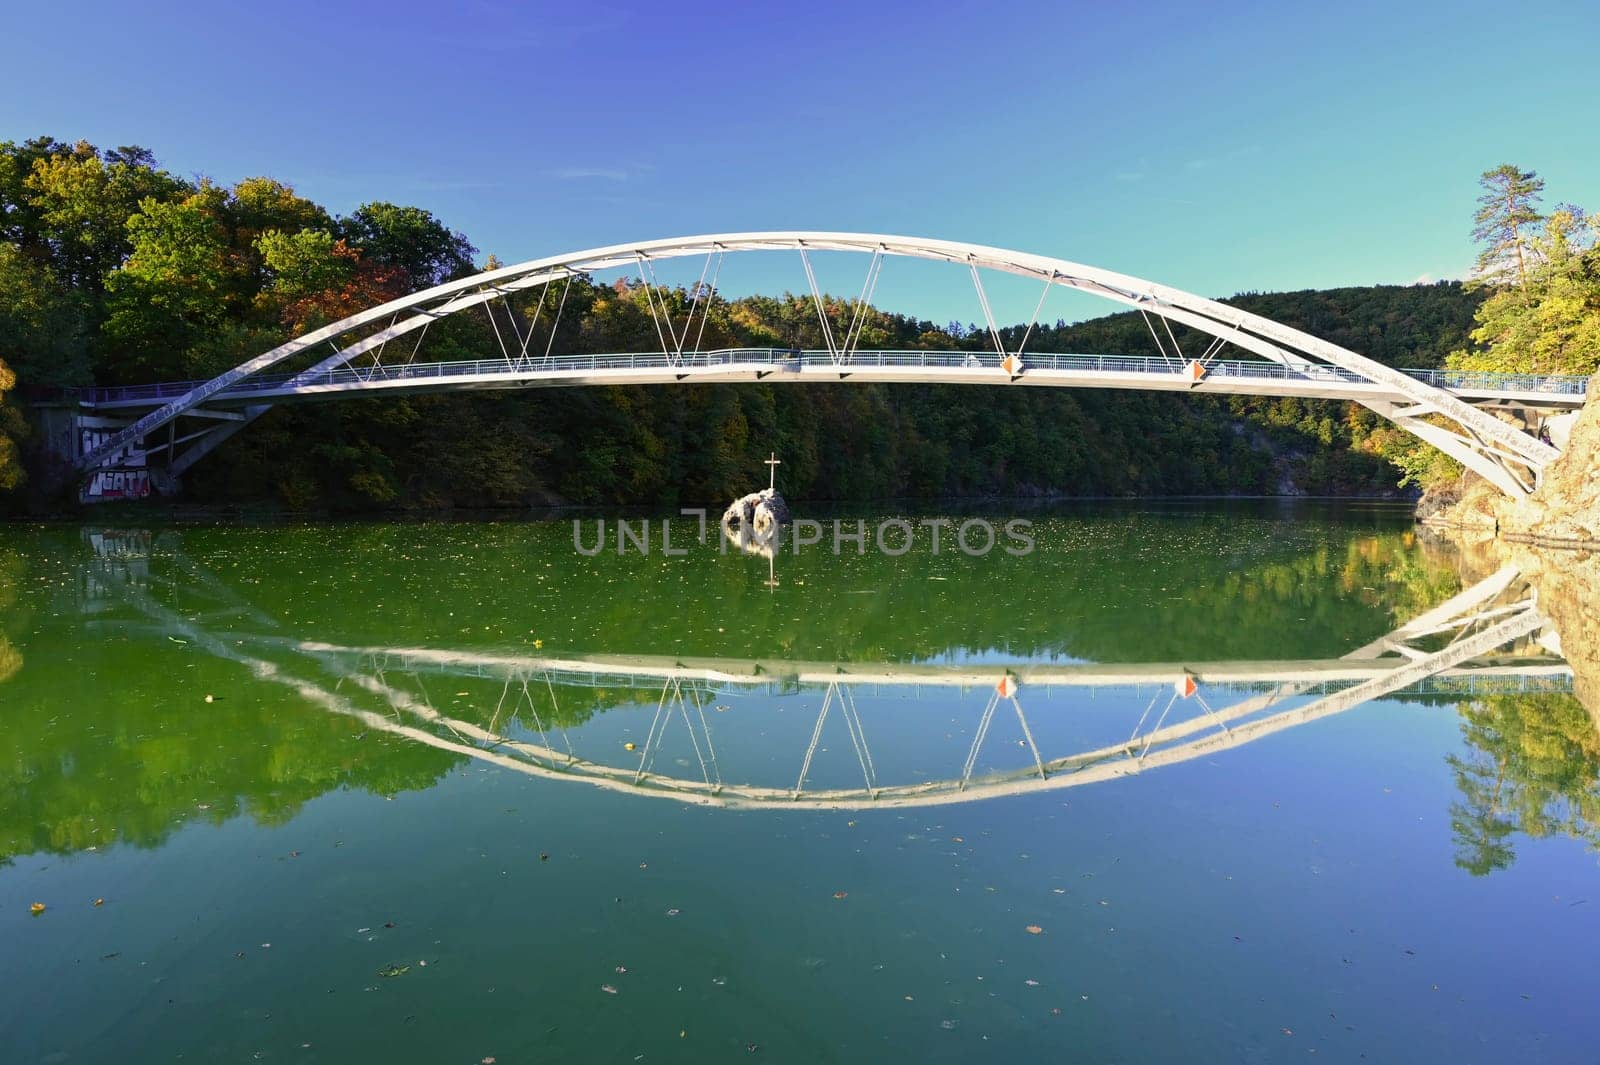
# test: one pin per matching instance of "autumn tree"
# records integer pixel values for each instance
(12, 428)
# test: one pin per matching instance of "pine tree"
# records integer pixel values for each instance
(1509, 206)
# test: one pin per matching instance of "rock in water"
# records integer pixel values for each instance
(758, 514)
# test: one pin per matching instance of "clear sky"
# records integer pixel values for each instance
(1218, 147)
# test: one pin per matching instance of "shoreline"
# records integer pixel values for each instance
(234, 514)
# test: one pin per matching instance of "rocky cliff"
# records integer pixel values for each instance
(1564, 512)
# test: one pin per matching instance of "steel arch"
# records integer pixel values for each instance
(1490, 446)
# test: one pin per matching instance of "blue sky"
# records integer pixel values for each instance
(1219, 148)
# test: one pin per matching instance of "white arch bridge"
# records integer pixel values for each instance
(1487, 422)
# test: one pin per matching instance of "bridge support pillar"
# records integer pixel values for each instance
(68, 433)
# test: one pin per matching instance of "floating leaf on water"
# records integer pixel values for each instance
(37, 908)
(841, 894)
(99, 902)
(1033, 930)
(394, 970)
(629, 746)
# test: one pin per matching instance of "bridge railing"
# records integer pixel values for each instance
(783, 359)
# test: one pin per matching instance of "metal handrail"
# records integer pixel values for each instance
(785, 358)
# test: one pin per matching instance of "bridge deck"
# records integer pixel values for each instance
(1245, 377)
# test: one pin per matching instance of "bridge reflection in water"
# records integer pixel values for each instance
(1088, 723)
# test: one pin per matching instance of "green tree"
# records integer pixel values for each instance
(181, 281)
(303, 264)
(42, 327)
(409, 239)
(82, 201)
(1507, 209)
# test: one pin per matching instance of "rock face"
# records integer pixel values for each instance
(1564, 512)
(1567, 505)
(758, 515)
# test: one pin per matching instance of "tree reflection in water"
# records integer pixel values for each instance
(1532, 767)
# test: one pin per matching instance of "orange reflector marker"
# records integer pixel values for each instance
(1007, 686)
(1186, 687)
(1194, 371)
(1012, 364)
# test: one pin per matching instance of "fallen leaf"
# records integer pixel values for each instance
(394, 970)
(99, 902)
(37, 908)
(841, 894)
(1033, 930)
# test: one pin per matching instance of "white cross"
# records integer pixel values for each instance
(772, 469)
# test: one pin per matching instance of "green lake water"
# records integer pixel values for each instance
(459, 792)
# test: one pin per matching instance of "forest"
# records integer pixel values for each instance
(114, 270)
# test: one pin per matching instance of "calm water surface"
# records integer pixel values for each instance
(454, 793)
